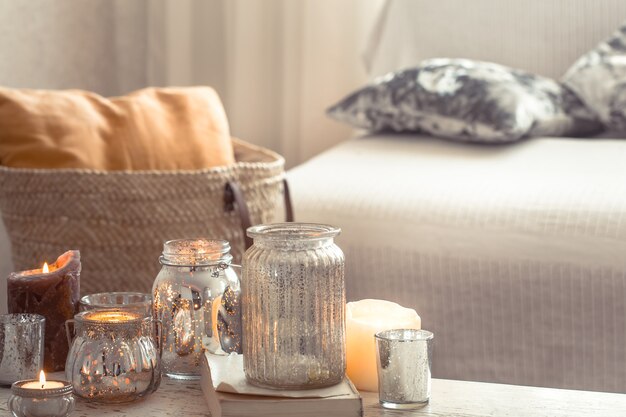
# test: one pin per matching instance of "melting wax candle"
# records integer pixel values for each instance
(364, 319)
(52, 292)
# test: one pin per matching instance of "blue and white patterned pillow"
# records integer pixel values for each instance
(599, 79)
(468, 101)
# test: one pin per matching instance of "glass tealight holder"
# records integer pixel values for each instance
(41, 402)
(21, 346)
(134, 302)
(404, 360)
(113, 358)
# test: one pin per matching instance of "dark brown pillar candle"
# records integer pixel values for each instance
(54, 295)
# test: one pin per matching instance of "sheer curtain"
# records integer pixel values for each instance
(278, 64)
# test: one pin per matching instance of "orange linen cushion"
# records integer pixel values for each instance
(149, 129)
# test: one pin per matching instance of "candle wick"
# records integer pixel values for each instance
(42, 385)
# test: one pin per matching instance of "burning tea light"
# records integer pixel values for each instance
(42, 383)
(113, 316)
(41, 398)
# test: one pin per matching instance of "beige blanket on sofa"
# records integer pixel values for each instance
(512, 255)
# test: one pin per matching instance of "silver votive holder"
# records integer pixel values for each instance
(112, 358)
(21, 346)
(134, 302)
(404, 358)
(38, 402)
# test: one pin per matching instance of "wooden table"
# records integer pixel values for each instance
(449, 399)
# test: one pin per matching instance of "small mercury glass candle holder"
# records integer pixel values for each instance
(21, 346)
(29, 399)
(112, 357)
(404, 358)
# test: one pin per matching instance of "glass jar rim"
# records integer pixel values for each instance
(293, 231)
(21, 318)
(16, 389)
(405, 335)
(195, 252)
(88, 300)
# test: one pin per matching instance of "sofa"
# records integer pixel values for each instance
(513, 255)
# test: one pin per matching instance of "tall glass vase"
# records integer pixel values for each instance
(293, 299)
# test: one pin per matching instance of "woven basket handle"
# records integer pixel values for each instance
(234, 200)
(288, 207)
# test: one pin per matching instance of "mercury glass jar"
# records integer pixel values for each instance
(293, 299)
(112, 358)
(196, 297)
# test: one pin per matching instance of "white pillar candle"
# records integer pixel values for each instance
(364, 319)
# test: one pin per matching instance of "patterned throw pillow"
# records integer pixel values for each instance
(466, 101)
(599, 79)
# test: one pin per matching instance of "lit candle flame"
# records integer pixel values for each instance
(45, 270)
(112, 316)
(42, 379)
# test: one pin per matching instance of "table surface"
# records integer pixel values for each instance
(449, 399)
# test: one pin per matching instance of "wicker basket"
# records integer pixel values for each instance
(119, 220)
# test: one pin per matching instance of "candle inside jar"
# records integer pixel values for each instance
(42, 383)
(112, 316)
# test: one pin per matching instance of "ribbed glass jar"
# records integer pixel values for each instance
(293, 307)
(112, 358)
(196, 296)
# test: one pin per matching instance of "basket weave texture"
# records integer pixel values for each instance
(120, 219)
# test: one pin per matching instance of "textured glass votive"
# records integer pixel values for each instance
(112, 358)
(404, 362)
(37, 402)
(135, 302)
(21, 346)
